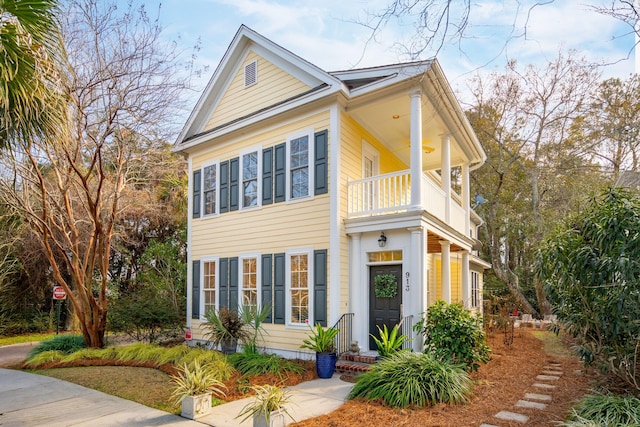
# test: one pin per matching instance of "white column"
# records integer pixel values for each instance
(466, 202)
(358, 294)
(416, 150)
(445, 270)
(413, 297)
(466, 289)
(446, 176)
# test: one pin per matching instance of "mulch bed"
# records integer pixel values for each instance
(498, 386)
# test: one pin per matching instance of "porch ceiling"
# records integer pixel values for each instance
(433, 244)
(389, 120)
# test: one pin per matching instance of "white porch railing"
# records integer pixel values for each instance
(391, 193)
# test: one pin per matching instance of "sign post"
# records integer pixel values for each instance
(59, 294)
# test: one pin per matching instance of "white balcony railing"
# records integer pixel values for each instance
(379, 194)
(391, 193)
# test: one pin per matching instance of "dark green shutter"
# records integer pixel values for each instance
(267, 285)
(195, 290)
(267, 176)
(224, 283)
(197, 193)
(224, 186)
(234, 183)
(233, 283)
(321, 174)
(320, 287)
(280, 173)
(279, 288)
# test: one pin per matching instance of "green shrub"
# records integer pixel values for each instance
(145, 315)
(406, 379)
(453, 333)
(253, 363)
(64, 343)
(605, 410)
(174, 354)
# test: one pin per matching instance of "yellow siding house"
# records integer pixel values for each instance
(306, 185)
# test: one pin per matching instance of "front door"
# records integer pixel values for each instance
(384, 310)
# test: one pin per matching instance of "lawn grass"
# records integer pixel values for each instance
(18, 339)
(147, 386)
(553, 345)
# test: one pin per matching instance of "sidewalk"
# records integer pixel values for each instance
(35, 400)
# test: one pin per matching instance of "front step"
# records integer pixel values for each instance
(354, 364)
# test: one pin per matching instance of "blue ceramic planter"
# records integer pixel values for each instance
(325, 364)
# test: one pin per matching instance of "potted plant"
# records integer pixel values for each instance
(321, 341)
(267, 407)
(194, 386)
(225, 328)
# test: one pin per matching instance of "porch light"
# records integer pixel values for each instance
(382, 240)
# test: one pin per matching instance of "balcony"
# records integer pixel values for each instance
(391, 193)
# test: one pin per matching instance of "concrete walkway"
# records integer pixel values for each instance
(308, 400)
(35, 400)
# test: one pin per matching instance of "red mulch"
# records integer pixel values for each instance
(498, 386)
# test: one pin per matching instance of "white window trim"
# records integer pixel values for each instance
(258, 257)
(479, 295)
(241, 206)
(216, 164)
(308, 133)
(217, 284)
(288, 254)
(369, 151)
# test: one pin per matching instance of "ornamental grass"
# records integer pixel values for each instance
(405, 379)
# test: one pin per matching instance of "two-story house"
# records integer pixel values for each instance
(305, 185)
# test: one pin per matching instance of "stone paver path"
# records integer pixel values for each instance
(535, 401)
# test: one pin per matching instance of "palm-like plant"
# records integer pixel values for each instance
(31, 52)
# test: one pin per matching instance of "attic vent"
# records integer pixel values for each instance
(251, 74)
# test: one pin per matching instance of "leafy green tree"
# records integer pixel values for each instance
(31, 51)
(591, 268)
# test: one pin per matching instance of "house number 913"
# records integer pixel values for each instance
(406, 275)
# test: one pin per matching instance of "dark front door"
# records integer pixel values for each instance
(383, 311)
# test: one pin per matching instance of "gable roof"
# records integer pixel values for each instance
(357, 86)
(320, 81)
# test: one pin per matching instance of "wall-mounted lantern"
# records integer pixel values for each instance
(382, 240)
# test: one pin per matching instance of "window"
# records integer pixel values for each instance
(209, 286)
(299, 284)
(475, 289)
(209, 189)
(249, 282)
(250, 172)
(299, 153)
(385, 256)
(251, 74)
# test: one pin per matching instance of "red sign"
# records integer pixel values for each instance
(59, 293)
(188, 335)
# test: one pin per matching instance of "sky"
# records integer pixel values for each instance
(331, 34)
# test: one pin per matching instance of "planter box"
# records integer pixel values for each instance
(196, 406)
(276, 419)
